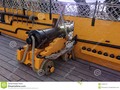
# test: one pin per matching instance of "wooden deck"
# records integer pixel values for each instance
(73, 70)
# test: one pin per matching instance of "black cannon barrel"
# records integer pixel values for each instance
(41, 35)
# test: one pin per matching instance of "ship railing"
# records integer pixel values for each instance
(104, 11)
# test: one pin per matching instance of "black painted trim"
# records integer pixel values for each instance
(26, 22)
(99, 43)
(15, 30)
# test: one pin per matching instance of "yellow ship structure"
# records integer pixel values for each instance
(52, 30)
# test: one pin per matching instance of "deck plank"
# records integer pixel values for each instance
(90, 71)
(9, 75)
(3, 78)
(70, 71)
(73, 70)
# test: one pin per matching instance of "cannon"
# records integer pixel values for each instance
(45, 36)
(45, 46)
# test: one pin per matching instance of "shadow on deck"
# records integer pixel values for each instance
(73, 70)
